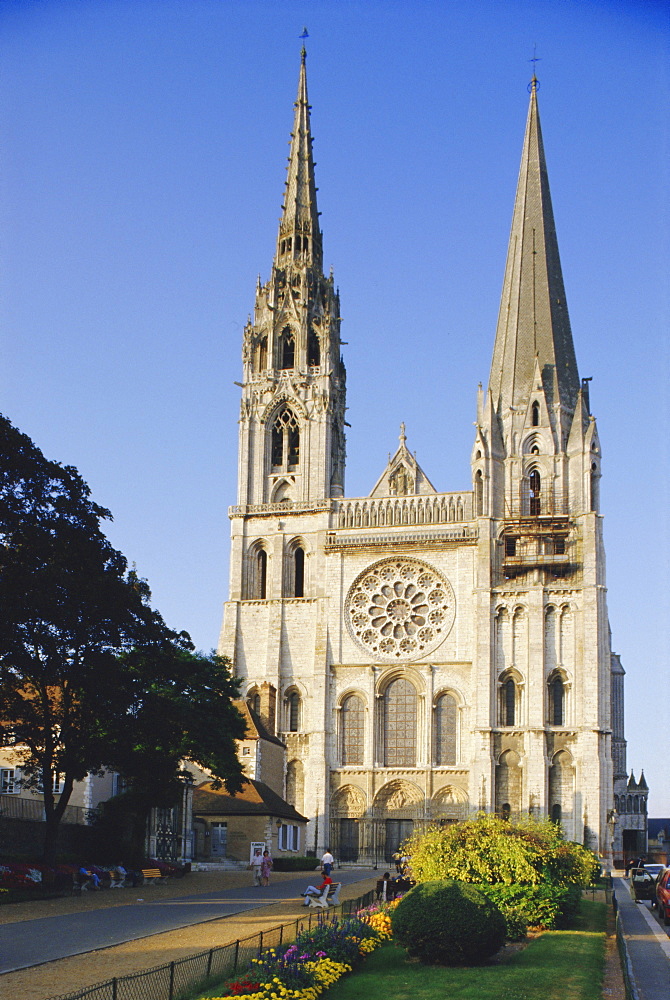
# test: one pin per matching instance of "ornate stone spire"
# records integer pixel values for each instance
(533, 322)
(299, 233)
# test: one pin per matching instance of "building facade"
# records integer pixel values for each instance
(429, 653)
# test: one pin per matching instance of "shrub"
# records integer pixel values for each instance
(294, 864)
(448, 923)
(488, 849)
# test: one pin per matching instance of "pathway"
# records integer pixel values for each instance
(648, 945)
(32, 942)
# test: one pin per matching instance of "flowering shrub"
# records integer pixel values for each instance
(304, 969)
(378, 917)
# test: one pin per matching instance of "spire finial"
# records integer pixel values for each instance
(534, 83)
(303, 51)
(403, 436)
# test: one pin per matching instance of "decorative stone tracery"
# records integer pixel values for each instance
(400, 608)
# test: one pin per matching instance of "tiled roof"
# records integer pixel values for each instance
(255, 799)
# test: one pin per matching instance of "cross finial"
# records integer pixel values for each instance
(403, 436)
(534, 81)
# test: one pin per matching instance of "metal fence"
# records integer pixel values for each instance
(175, 979)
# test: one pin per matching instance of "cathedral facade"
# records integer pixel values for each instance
(423, 654)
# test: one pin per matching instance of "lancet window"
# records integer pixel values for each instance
(293, 712)
(535, 484)
(556, 701)
(313, 349)
(352, 730)
(445, 720)
(286, 357)
(399, 724)
(285, 440)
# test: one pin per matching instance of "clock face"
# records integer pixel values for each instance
(400, 609)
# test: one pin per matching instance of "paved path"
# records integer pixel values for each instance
(648, 945)
(32, 942)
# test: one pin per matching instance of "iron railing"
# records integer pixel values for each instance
(174, 979)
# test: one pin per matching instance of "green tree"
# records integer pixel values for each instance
(91, 677)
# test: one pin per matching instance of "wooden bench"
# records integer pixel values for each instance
(149, 874)
(116, 879)
(329, 897)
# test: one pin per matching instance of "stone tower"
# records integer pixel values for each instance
(536, 469)
(423, 654)
(293, 397)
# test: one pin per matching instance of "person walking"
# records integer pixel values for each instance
(266, 868)
(255, 866)
(327, 862)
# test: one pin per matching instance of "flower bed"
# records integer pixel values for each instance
(316, 959)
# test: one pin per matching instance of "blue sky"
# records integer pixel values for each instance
(142, 155)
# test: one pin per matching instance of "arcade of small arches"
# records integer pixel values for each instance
(387, 512)
(631, 804)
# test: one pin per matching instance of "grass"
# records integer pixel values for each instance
(558, 965)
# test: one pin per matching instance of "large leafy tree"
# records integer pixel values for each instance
(91, 677)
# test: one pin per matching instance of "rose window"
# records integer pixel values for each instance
(400, 608)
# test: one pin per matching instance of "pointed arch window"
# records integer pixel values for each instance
(556, 701)
(446, 731)
(299, 572)
(535, 414)
(479, 493)
(535, 484)
(286, 349)
(352, 730)
(399, 725)
(313, 350)
(508, 702)
(255, 587)
(293, 712)
(262, 354)
(261, 574)
(285, 444)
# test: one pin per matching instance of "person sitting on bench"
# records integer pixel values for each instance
(316, 890)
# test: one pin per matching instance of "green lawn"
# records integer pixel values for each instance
(558, 965)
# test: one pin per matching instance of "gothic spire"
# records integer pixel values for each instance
(299, 234)
(533, 321)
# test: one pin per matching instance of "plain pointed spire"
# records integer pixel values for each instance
(300, 218)
(533, 321)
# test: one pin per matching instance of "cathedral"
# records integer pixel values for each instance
(424, 654)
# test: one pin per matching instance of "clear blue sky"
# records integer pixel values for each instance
(142, 155)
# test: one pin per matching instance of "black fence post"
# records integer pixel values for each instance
(209, 963)
(114, 993)
(171, 994)
(237, 952)
(260, 943)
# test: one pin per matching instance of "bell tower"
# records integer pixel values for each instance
(536, 471)
(292, 445)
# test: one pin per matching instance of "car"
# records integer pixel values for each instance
(654, 869)
(643, 884)
(663, 896)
